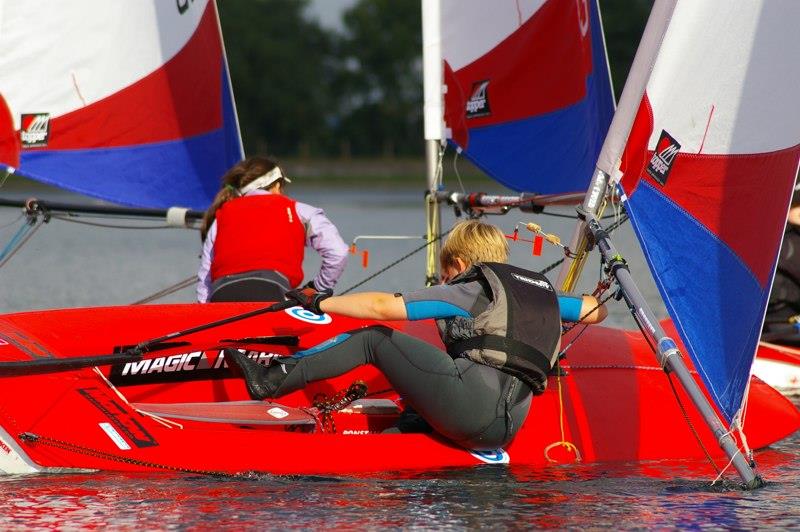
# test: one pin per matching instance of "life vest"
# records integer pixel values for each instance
(520, 331)
(260, 232)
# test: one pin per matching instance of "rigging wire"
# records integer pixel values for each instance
(180, 285)
(12, 222)
(71, 219)
(455, 169)
(20, 238)
(398, 261)
(408, 255)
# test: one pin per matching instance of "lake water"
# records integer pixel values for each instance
(66, 265)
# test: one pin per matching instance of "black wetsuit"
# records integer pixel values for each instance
(475, 405)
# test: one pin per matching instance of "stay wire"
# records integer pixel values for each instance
(12, 222)
(398, 261)
(180, 285)
(72, 219)
(547, 269)
(20, 238)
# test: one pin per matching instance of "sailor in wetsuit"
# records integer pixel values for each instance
(500, 324)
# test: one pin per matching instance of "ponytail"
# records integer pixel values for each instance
(238, 176)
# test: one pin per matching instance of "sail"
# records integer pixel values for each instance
(705, 149)
(528, 95)
(128, 101)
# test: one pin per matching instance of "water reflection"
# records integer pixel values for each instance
(635, 495)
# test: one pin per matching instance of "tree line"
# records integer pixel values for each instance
(305, 91)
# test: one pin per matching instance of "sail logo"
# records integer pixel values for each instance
(35, 130)
(663, 157)
(478, 103)
(299, 313)
(535, 282)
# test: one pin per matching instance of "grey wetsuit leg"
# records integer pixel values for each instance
(476, 406)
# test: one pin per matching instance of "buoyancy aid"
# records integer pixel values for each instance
(519, 332)
(260, 232)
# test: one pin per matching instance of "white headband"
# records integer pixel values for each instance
(264, 180)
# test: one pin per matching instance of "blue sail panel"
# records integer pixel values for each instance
(732, 307)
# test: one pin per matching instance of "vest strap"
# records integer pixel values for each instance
(509, 346)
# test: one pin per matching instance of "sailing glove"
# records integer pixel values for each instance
(308, 298)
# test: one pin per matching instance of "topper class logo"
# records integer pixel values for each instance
(663, 157)
(35, 130)
(307, 316)
(497, 456)
(478, 103)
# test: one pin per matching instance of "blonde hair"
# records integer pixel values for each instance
(474, 241)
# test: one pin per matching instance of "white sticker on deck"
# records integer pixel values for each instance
(498, 456)
(276, 412)
(115, 436)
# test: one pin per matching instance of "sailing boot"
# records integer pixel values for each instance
(262, 382)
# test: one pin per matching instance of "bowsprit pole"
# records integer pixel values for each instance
(668, 353)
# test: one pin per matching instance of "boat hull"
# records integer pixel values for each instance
(778, 366)
(182, 409)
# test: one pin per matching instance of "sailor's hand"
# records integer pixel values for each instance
(308, 298)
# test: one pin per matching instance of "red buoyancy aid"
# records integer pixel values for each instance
(260, 232)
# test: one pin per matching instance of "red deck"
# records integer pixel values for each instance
(617, 403)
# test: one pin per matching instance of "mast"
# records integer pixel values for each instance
(595, 200)
(433, 113)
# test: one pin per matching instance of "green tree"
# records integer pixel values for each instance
(281, 64)
(623, 24)
(381, 84)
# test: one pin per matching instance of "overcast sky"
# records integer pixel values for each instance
(329, 12)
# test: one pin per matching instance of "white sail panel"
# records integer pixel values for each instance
(727, 77)
(473, 27)
(59, 56)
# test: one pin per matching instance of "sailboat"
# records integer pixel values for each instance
(146, 388)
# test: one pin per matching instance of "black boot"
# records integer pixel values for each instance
(262, 382)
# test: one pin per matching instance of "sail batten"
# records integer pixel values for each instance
(707, 168)
(137, 107)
